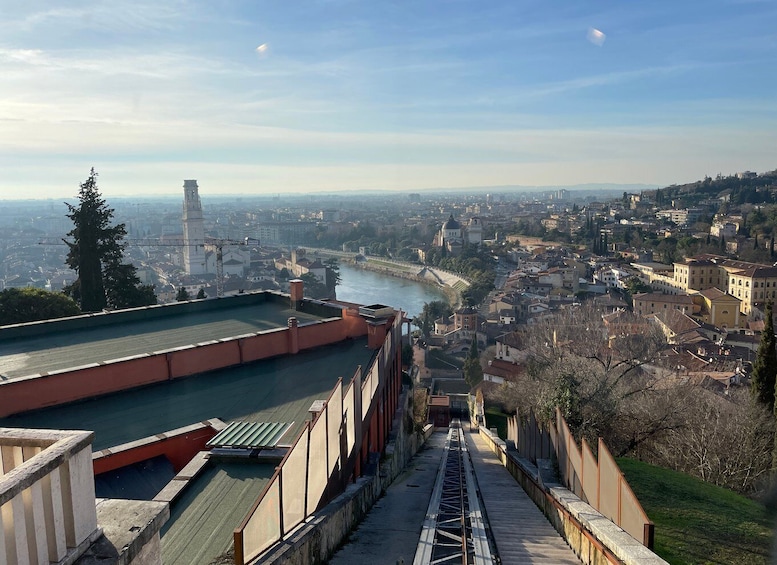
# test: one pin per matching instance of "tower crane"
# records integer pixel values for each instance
(219, 244)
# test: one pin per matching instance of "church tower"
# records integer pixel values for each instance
(193, 230)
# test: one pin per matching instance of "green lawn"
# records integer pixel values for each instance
(394, 266)
(697, 522)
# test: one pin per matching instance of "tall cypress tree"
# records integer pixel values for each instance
(764, 375)
(96, 254)
(473, 372)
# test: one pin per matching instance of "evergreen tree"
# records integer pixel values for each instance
(183, 295)
(21, 305)
(96, 254)
(764, 375)
(473, 372)
(201, 294)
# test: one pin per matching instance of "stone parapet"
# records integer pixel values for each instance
(592, 536)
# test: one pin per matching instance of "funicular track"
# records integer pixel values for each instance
(454, 529)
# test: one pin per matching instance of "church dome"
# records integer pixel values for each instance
(451, 224)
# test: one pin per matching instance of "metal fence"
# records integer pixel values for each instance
(599, 482)
(304, 480)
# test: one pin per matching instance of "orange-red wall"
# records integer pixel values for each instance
(203, 358)
(40, 391)
(66, 386)
(179, 449)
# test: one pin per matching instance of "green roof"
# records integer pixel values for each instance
(251, 435)
(59, 350)
(203, 519)
(272, 390)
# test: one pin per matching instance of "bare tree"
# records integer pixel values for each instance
(599, 371)
(722, 440)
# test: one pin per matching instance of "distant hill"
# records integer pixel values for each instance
(742, 188)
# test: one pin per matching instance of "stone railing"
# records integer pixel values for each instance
(47, 500)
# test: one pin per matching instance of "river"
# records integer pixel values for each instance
(368, 287)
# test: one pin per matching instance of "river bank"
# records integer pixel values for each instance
(452, 296)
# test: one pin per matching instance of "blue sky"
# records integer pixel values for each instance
(306, 96)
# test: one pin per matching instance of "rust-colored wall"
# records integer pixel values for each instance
(179, 449)
(356, 326)
(26, 394)
(204, 358)
(321, 333)
(49, 390)
(265, 345)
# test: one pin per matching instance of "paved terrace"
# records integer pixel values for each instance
(62, 350)
(272, 390)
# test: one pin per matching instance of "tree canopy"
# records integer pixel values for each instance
(96, 253)
(20, 305)
(473, 371)
(764, 375)
(313, 287)
(431, 312)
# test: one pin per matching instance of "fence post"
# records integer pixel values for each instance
(649, 535)
(280, 503)
(238, 540)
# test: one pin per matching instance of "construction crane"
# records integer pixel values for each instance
(219, 244)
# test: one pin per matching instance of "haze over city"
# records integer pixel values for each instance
(324, 96)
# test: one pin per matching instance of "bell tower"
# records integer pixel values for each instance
(193, 230)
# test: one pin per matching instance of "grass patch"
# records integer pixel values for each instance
(697, 522)
(495, 418)
(393, 266)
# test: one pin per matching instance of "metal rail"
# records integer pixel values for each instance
(454, 531)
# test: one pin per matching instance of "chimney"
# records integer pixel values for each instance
(376, 333)
(293, 336)
(296, 290)
(377, 317)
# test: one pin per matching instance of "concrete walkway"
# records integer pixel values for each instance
(521, 532)
(393, 527)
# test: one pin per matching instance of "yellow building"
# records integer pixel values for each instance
(718, 308)
(699, 274)
(653, 302)
(752, 283)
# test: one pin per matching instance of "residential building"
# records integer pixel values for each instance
(718, 308)
(652, 303)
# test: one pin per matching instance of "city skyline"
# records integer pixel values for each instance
(337, 95)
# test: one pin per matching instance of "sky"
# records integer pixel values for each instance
(262, 97)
